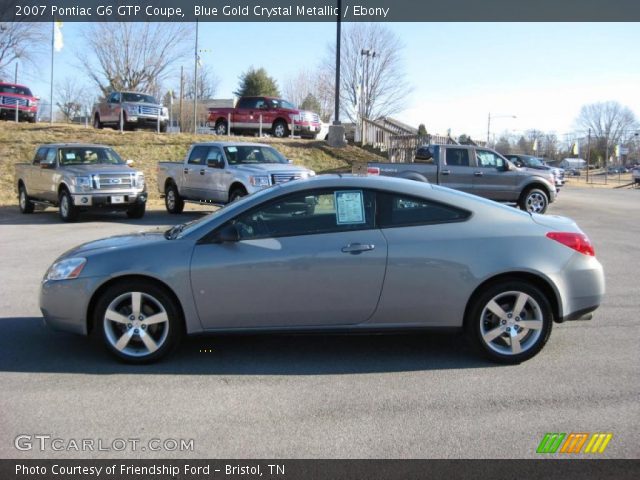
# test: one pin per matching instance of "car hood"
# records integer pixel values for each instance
(117, 242)
(271, 168)
(97, 168)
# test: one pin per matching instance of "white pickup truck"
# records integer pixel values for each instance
(221, 172)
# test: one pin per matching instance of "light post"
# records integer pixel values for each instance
(489, 123)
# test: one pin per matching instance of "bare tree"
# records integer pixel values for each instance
(133, 56)
(23, 41)
(73, 99)
(208, 83)
(296, 88)
(382, 74)
(609, 122)
(317, 83)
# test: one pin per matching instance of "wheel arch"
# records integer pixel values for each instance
(534, 185)
(130, 277)
(536, 280)
(237, 185)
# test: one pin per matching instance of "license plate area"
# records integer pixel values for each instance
(116, 199)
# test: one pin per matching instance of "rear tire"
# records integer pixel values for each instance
(26, 205)
(221, 128)
(139, 322)
(534, 200)
(137, 210)
(509, 321)
(172, 199)
(67, 210)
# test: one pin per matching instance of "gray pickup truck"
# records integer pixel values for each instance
(476, 170)
(76, 177)
(133, 109)
(221, 172)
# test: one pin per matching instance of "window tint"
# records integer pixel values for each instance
(51, 157)
(115, 97)
(309, 213)
(41, 153)
(401, 211)
(489, 159)
(457, 157)
(424, 155)
(248, 102)
(198, 155)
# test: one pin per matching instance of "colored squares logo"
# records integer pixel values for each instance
(574, 443)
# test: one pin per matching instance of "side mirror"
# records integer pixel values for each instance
(507, 166)
(227, 234)
(129, 162)
(213, 163)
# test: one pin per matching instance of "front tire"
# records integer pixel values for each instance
(280, 129)
(26, 205)
(139, 322)
(137, 210)
(534, 200)
(172, 199)
(67, 210)
(236, 194)
(97, 124)
(509, 322)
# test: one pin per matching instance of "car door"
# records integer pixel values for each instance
(112, 109)
(210, 183)
(48, 178)
(193, 173)
(491, 178)
(306, 259)
(244, 114)
(35, 186)
(456, 170)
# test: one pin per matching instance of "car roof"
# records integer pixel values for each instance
(15, 85)
(80, 145)
(230, 144)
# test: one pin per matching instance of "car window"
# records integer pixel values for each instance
(489, 159)
(215, 154)
(397, 210)
(248, 103)
(424, 155)
(115, 97)
(41, 153)
(309, 213)
(252, 154)
(198, 155)
(457, 157)
(89, 156)
(51, 156)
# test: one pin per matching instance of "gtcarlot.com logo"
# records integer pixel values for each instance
(574, 443)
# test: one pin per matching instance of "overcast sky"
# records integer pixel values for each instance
(542, 73)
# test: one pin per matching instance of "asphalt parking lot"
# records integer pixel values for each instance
(400, 396)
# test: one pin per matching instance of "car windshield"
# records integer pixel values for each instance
(138, 98)
(534, 162)
(89, 156)
(248, 154)
(15, 89)
(279, 103)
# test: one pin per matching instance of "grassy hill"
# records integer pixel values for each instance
(18, 143)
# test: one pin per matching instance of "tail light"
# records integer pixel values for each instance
(577, 241)
(373, 171)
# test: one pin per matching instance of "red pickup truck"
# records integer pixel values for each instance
(279, 117)
(12, 95)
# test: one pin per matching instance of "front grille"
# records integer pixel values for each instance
(284, 177)
(145, 110)
(11, 101)
(113, 181)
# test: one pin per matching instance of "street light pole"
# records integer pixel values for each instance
(489, 123)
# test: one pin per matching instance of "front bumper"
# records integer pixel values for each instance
(146, 119)
(306, 129)
(64, 303)
(109, 200)
(23, 113)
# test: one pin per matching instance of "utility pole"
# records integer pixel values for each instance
(588, 153)
(181, 96)
(195, 84)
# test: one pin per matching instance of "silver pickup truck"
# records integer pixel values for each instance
(133, 109)
(75, 177)
(221, 172)
(480, 171)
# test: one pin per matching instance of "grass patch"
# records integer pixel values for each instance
(18, 143)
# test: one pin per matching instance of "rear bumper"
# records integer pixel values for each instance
(582, 288)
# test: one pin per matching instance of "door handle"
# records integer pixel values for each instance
(186, 170)
(445, 172)
(356, 248)
(478, 174)
(202, 172)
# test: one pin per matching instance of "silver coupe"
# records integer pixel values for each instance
(333, 254)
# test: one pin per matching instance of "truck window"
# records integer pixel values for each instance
(41, 153)
(489, 159)
(248, 102)
(458, 157)
(114, 98)
(51, 156)
(198, 156)
(215, 154)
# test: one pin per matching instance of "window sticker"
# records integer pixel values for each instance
(349, 207)
(70, 156)
(232, 149)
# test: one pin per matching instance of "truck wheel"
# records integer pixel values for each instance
(163, 128)
(509, 322)
(26, 205)
(137, 210)
(280, 129)
(236, 194)
(67, 210)
(221, 128)
(534, 200)
(139, 321)
(97, 123)
(172, 199)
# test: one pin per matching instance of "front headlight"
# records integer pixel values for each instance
(165, 112)
(296, 118)
(83, 183)
(132, 109)
(140, 180)
(259, 181)
(66, 269)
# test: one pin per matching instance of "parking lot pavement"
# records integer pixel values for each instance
(400, 396)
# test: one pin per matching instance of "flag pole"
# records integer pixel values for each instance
(53, 32)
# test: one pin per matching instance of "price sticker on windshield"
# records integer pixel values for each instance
(349, 207)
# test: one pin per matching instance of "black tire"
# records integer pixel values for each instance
(280, 129)
(221, 128)
(236, 194)
(26, 205)
(173, 202)
(32, 120)
(128, 324)
(97, 123)
(163, 128)
(509, 337)
(137, 210)
(534, 200)
(66, 209)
